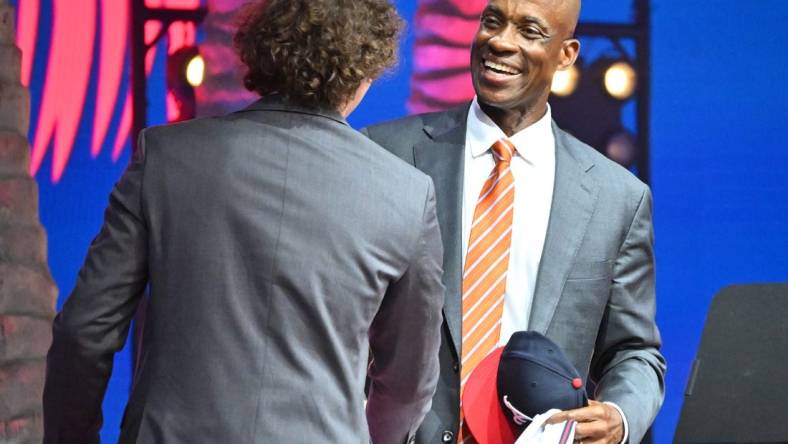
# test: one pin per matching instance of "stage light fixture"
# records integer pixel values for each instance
(195, 71)
(565, 82)
(186, 66)
(620, 80)
(185, 71)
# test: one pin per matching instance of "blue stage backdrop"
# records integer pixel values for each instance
(719, 163)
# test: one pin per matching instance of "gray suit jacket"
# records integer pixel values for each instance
(595, 287)
(280, 246)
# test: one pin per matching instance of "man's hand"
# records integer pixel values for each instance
(597, 423)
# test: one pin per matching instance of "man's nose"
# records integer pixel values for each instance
(504, 40)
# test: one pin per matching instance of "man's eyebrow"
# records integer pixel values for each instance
(524, 20)
(493, 9)
(530, 19)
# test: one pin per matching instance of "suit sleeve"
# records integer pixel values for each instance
(94, 321)
(628, 367)
(404, 338)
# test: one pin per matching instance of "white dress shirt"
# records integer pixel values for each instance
(533, 169)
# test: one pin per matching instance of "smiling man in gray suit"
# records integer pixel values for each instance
(280, 247)
(540, 231)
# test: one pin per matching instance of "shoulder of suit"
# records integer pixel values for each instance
(191, 127)
(610, 171)
(414, 127)
(396, 165)
(392, 129)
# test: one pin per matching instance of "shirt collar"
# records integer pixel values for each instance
(533, 143)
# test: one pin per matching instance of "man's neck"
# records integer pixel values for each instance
(512, 121)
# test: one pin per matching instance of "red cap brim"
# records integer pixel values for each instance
(481, 406)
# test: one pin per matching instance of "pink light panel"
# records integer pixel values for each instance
(76, 27)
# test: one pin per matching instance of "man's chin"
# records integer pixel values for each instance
(494, 96)
(495, 101)
(503, 100)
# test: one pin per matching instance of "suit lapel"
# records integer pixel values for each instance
(441, 157)
(574, 198)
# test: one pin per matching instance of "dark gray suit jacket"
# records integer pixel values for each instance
(594, 292)
(280, 246)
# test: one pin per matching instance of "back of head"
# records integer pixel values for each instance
(316, 52)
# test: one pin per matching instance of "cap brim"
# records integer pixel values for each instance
(481, 406)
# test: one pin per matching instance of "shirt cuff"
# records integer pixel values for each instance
(624, 420)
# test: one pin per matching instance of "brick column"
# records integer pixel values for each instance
(27, 292)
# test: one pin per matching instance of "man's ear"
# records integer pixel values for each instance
(569, 52)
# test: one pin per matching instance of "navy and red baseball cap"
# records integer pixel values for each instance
(527, 377)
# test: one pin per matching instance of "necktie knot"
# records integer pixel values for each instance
(503, 150)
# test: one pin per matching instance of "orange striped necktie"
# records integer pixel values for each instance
(484, 277)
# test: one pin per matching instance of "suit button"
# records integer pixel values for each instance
(456, 367)
(447, 436)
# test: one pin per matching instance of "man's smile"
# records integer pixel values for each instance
(495, 71)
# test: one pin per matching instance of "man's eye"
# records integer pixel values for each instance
(532, 32)
(490, 21)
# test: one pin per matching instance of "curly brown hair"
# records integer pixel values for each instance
(316, 52)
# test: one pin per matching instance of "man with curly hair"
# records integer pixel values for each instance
(280, 246)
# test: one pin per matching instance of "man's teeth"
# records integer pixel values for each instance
(498, 67)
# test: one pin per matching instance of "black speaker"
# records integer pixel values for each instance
(738, 386)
